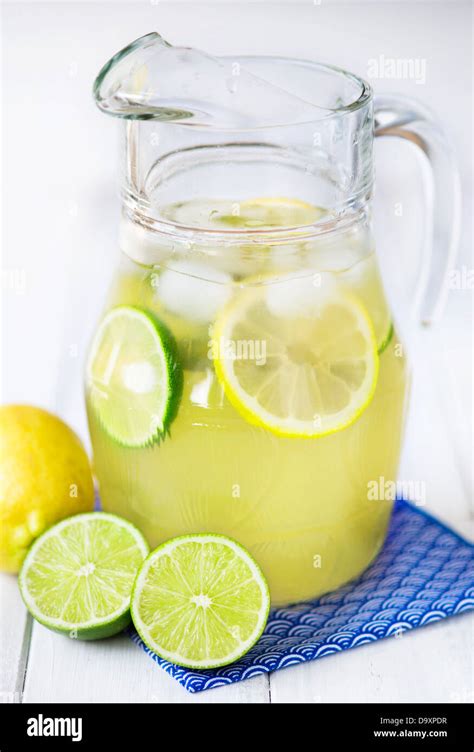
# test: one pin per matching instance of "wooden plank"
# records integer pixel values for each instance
(453, 358)
(114, 670)
(15, 631)
(426, 665)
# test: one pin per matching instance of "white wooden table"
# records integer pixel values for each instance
(56, 267)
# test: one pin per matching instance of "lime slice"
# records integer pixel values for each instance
(133, 375)
(200, 601)
(77, 577)
(315, 363)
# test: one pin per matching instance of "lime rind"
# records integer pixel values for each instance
(168, 546)
(89, 629)
(387, 339)
(171, 389)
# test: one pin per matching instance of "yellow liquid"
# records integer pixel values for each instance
(300, 506)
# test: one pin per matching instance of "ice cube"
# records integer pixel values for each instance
(142, 245)
(337, 253)
(300, 294)
(194, 290)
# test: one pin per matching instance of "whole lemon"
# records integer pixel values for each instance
(45, 475)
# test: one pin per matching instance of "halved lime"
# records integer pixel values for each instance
(133, 375)
(200, 601)
(77, 577)
(313, 366)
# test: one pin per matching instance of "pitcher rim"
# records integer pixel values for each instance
(365, 92)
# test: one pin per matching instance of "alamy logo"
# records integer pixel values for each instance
(383, 489)
(41, 726)
(222, 348)
(397, 68)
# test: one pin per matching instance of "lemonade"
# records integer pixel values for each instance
(251, 391)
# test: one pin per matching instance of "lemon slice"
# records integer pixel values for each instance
(259, 212)
(305, 368)
(278, 212)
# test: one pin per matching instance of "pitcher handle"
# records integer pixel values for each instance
(406, 118)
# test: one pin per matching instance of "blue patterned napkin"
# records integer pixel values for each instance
(424, 572)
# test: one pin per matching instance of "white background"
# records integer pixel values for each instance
(59, 211)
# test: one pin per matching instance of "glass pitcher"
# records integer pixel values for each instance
(246, 377)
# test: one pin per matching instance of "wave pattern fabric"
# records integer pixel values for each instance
(425, 572)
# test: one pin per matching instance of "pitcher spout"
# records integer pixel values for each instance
(123, 85)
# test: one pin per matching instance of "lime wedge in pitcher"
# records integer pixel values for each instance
(77, 577)
(134, 377)
(200, 601)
